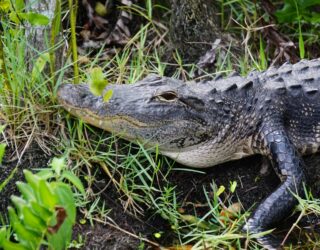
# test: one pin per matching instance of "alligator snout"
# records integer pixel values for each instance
(75, 95)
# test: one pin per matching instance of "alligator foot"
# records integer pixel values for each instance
(268, 241)
(288, 166)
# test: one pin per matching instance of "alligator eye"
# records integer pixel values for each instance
(168, 96)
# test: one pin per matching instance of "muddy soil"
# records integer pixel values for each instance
(253, 186)
(34, 158)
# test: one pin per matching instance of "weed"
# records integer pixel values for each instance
(46, 211)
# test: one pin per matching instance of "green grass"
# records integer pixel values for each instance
(139, 176)
(27, 98)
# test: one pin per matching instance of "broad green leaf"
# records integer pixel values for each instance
(5, 5)
(66, 200)
(14, 17)
(107, 95)
(8, 245)
(27, 238)
(32, 180)
(74, 180)
(18, 5)
(45, 174)
(42, 211)
(46, 194)
(19, 203)
(35, 19)
(97, 81)
(32, 221)
(62, 237)
(3, 234)
(26, 191)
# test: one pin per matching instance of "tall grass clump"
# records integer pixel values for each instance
(27, 85)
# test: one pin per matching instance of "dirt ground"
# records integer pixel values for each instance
(253, 186)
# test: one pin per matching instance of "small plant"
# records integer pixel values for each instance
(98, 82)
(46, 211)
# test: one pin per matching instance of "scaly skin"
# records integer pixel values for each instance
(274, 113)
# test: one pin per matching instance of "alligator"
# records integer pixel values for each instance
(275, 113)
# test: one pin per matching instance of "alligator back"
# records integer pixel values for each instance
(294, 89)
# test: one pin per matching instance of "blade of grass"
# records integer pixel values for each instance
(72, 9)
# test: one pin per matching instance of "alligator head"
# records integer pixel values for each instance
(155, 111)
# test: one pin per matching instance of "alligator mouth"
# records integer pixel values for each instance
(94, 119)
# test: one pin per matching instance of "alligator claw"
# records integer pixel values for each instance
(268, 241)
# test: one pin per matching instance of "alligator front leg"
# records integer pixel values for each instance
(288, 166)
